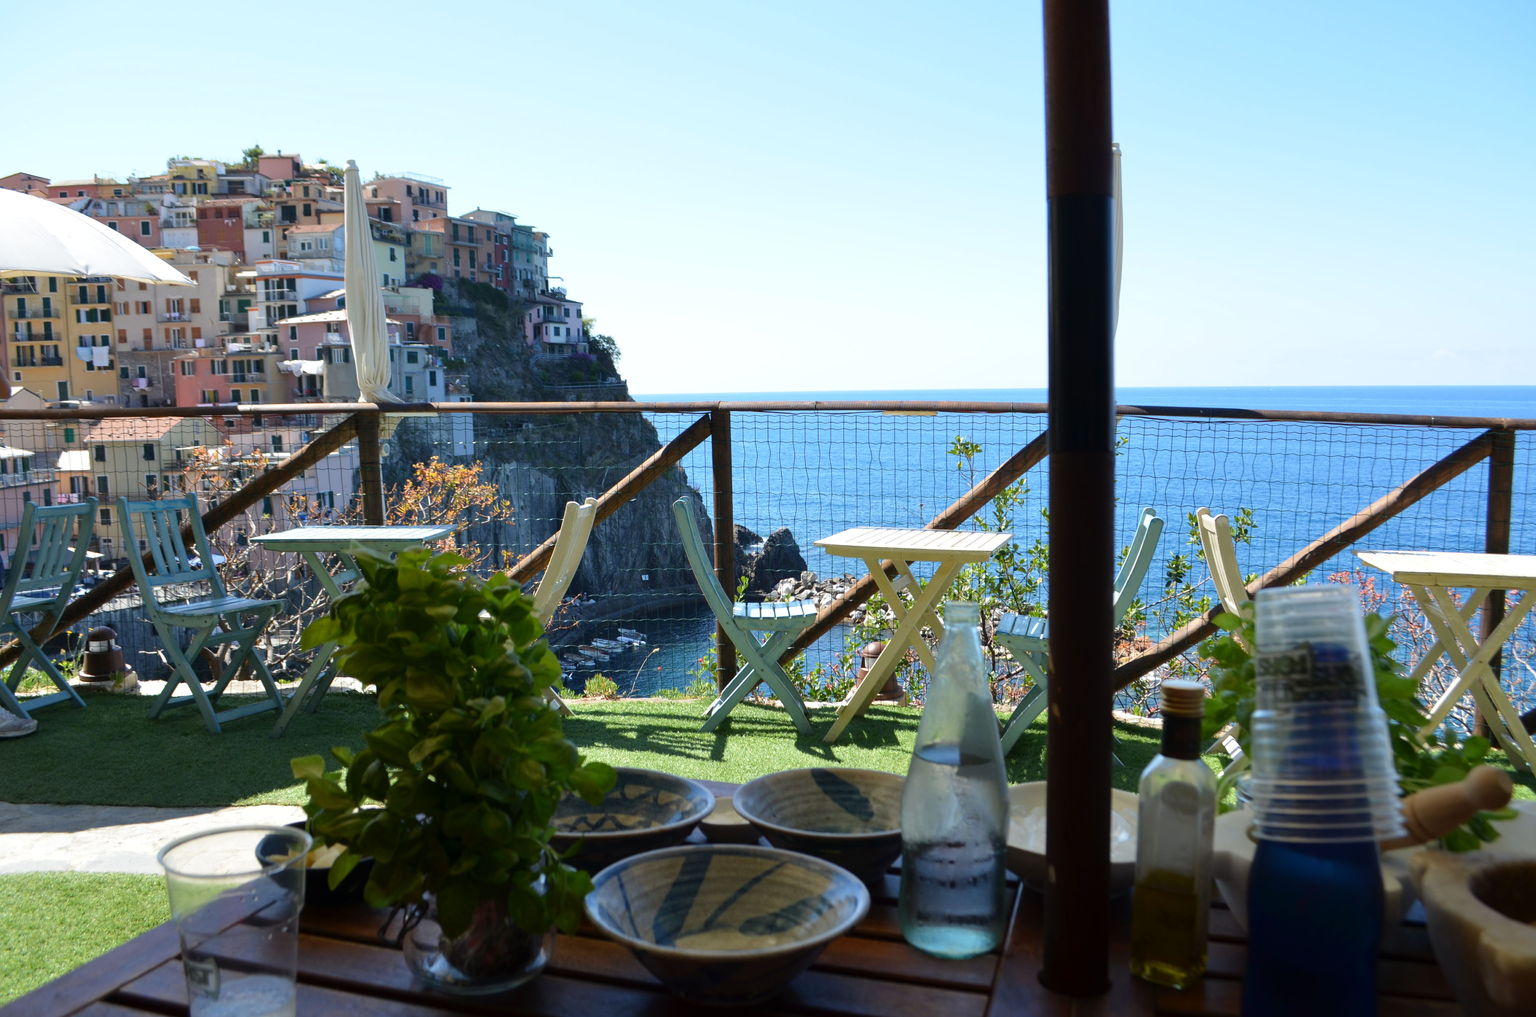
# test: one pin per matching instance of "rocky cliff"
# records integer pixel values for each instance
(541, 461)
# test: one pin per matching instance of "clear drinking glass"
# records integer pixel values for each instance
(235, 897)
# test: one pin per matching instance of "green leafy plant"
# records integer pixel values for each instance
(1421, 760)
(454, 793)
(600, 686)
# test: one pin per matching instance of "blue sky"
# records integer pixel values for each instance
(830, 195)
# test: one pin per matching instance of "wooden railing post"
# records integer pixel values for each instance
(725, 533)
(370, 469)
(1501, 483)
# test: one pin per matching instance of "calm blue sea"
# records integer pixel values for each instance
(817, 473)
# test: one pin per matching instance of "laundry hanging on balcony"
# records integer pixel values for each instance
(299, 367)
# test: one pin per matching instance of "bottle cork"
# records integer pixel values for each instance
(1183, 698)
(1436, 811)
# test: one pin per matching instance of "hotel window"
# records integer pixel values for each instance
(101, 484)
(149, 450)
(106, 517)
(99, 453)
(144, 231)
(112, 225)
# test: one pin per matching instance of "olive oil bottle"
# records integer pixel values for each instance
(1175, 823)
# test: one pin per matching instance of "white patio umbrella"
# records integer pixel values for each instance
(365, 301)
(39, 237)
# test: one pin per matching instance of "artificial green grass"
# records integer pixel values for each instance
(56, 921)
(111, 754)
(665, 735)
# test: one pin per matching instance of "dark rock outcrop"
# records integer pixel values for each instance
(780, 559)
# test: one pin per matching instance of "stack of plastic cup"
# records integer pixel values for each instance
(1322, 760)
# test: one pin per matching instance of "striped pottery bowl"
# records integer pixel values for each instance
(645, 810)
(725, 924)
(849, 817)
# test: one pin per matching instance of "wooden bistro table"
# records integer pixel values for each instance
(311, 542)
(1431, 576)
(880, 546)
(349, 967)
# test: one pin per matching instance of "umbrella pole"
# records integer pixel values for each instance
(1080, 217)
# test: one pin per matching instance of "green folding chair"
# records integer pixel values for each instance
(1028, 637)
(781, 621)
(50, 551)
(161, 530)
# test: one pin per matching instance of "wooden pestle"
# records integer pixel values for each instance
(1436, 811)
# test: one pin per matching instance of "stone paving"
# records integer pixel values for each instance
(111, 838)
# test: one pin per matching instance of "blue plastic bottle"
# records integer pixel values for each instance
(1314, 923)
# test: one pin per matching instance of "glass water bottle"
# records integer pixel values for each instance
(1175, 823)
(954, 807)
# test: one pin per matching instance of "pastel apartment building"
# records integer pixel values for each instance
(414, 198)
(54, 332)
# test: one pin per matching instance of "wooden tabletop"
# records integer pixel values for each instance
(1455, 568)
(347, 970)
(338, 538)
(915, 544)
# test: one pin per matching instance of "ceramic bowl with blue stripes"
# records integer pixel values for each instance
(725, 924)
(646, 809)
(849, 817)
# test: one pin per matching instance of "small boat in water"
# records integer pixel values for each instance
(610, 645)
(594, 652)
(632, 637)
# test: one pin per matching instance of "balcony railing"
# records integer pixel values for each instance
(16, 287)
(1316, 485)
(37, 313)
(37, 476)
(51, 361)
(104, 297)
(274, 296)
(173, 316)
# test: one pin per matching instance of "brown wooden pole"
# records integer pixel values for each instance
(725, 534)
(611, 500)
(228, 509)
(1320, 550)
(370, 469)
(1080, 242)
(964, 507)
(1501, 485)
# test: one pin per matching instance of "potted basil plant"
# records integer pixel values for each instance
(453, 794)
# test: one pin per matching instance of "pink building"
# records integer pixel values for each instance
(417, 198)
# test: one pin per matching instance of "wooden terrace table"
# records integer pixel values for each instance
(346, 969)
(878, 546)
(1431, 575)
(311, 542)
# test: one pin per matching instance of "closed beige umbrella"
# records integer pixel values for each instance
(365, 301)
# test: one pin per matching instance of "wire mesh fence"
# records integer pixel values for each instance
(633, 614)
